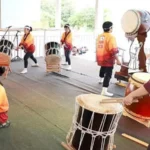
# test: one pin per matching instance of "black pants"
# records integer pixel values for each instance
(26, 56)
(67, 55)
(106, 73)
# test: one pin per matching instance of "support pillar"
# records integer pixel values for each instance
(99, 16)
(58, 14)
(0, 14)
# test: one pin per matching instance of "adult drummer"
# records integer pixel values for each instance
(66, 41)
(27, 43)
(142, 91)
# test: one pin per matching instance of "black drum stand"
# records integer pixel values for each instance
(16, 58)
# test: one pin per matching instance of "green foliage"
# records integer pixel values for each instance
(84, 18)
(48, 13)
(107, 15)
(67, 10)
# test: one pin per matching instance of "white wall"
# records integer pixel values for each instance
(19, 12)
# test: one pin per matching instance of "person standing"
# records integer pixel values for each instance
(106, 54)
(27, 43)
(66, 42)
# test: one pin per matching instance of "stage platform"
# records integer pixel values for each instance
(42, 106)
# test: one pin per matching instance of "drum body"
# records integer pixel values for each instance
(53, 58)
(93, 127)
(142, 108)
(6, 46)
(135, 21)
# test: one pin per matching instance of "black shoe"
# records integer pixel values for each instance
(5, 125)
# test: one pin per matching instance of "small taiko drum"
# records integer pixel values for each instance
(94, 124)
(135, 21)
(141, 109)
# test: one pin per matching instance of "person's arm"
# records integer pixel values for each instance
(62, 39)
(29, 41)
(142, 91)
(68, 42)
(117, 60)
(114, 49)
(147, 86)
(97, 40)
(20, 44)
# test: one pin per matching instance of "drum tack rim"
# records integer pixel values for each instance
(136, 115)
(137, 82)
(83, 105)
(139, 22)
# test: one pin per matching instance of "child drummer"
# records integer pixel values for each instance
(4, 106)
(106, 50)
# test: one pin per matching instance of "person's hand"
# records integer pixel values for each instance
(17, 48)
(128, 100)
(118, 63)
(65, 46)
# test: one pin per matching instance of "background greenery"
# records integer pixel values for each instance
(78, 19)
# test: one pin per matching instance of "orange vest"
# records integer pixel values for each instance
(28, 43)
(4, 105)
(67, 40)
(106, 49)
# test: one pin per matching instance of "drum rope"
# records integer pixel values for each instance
(78, 125)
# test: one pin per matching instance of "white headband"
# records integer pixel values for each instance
(28, 28)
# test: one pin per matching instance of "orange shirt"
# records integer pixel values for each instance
(106, 49)
(28, 43)
(4, 105)
(67, 40)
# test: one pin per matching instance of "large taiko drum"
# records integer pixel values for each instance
(53, 58)
(141, 109)
(94, 123)
(135, 21)
(6, 46)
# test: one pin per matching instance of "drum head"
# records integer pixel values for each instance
(93, 103)
(130, 21)
(141, 77)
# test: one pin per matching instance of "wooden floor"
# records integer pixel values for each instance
(42, 107)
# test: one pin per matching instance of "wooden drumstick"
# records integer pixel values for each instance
(135, 140)
(115, 100)
(112, 100)
(66, 146)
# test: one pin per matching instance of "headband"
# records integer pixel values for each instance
(27, 27)
(108, 28)
(67, 26)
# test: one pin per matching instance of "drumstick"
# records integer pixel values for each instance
(115, 100)
(112, 100)
(135, 140)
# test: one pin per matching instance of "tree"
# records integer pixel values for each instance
(84, 18)
(107, 15)
(67, 10)
(48, 12)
